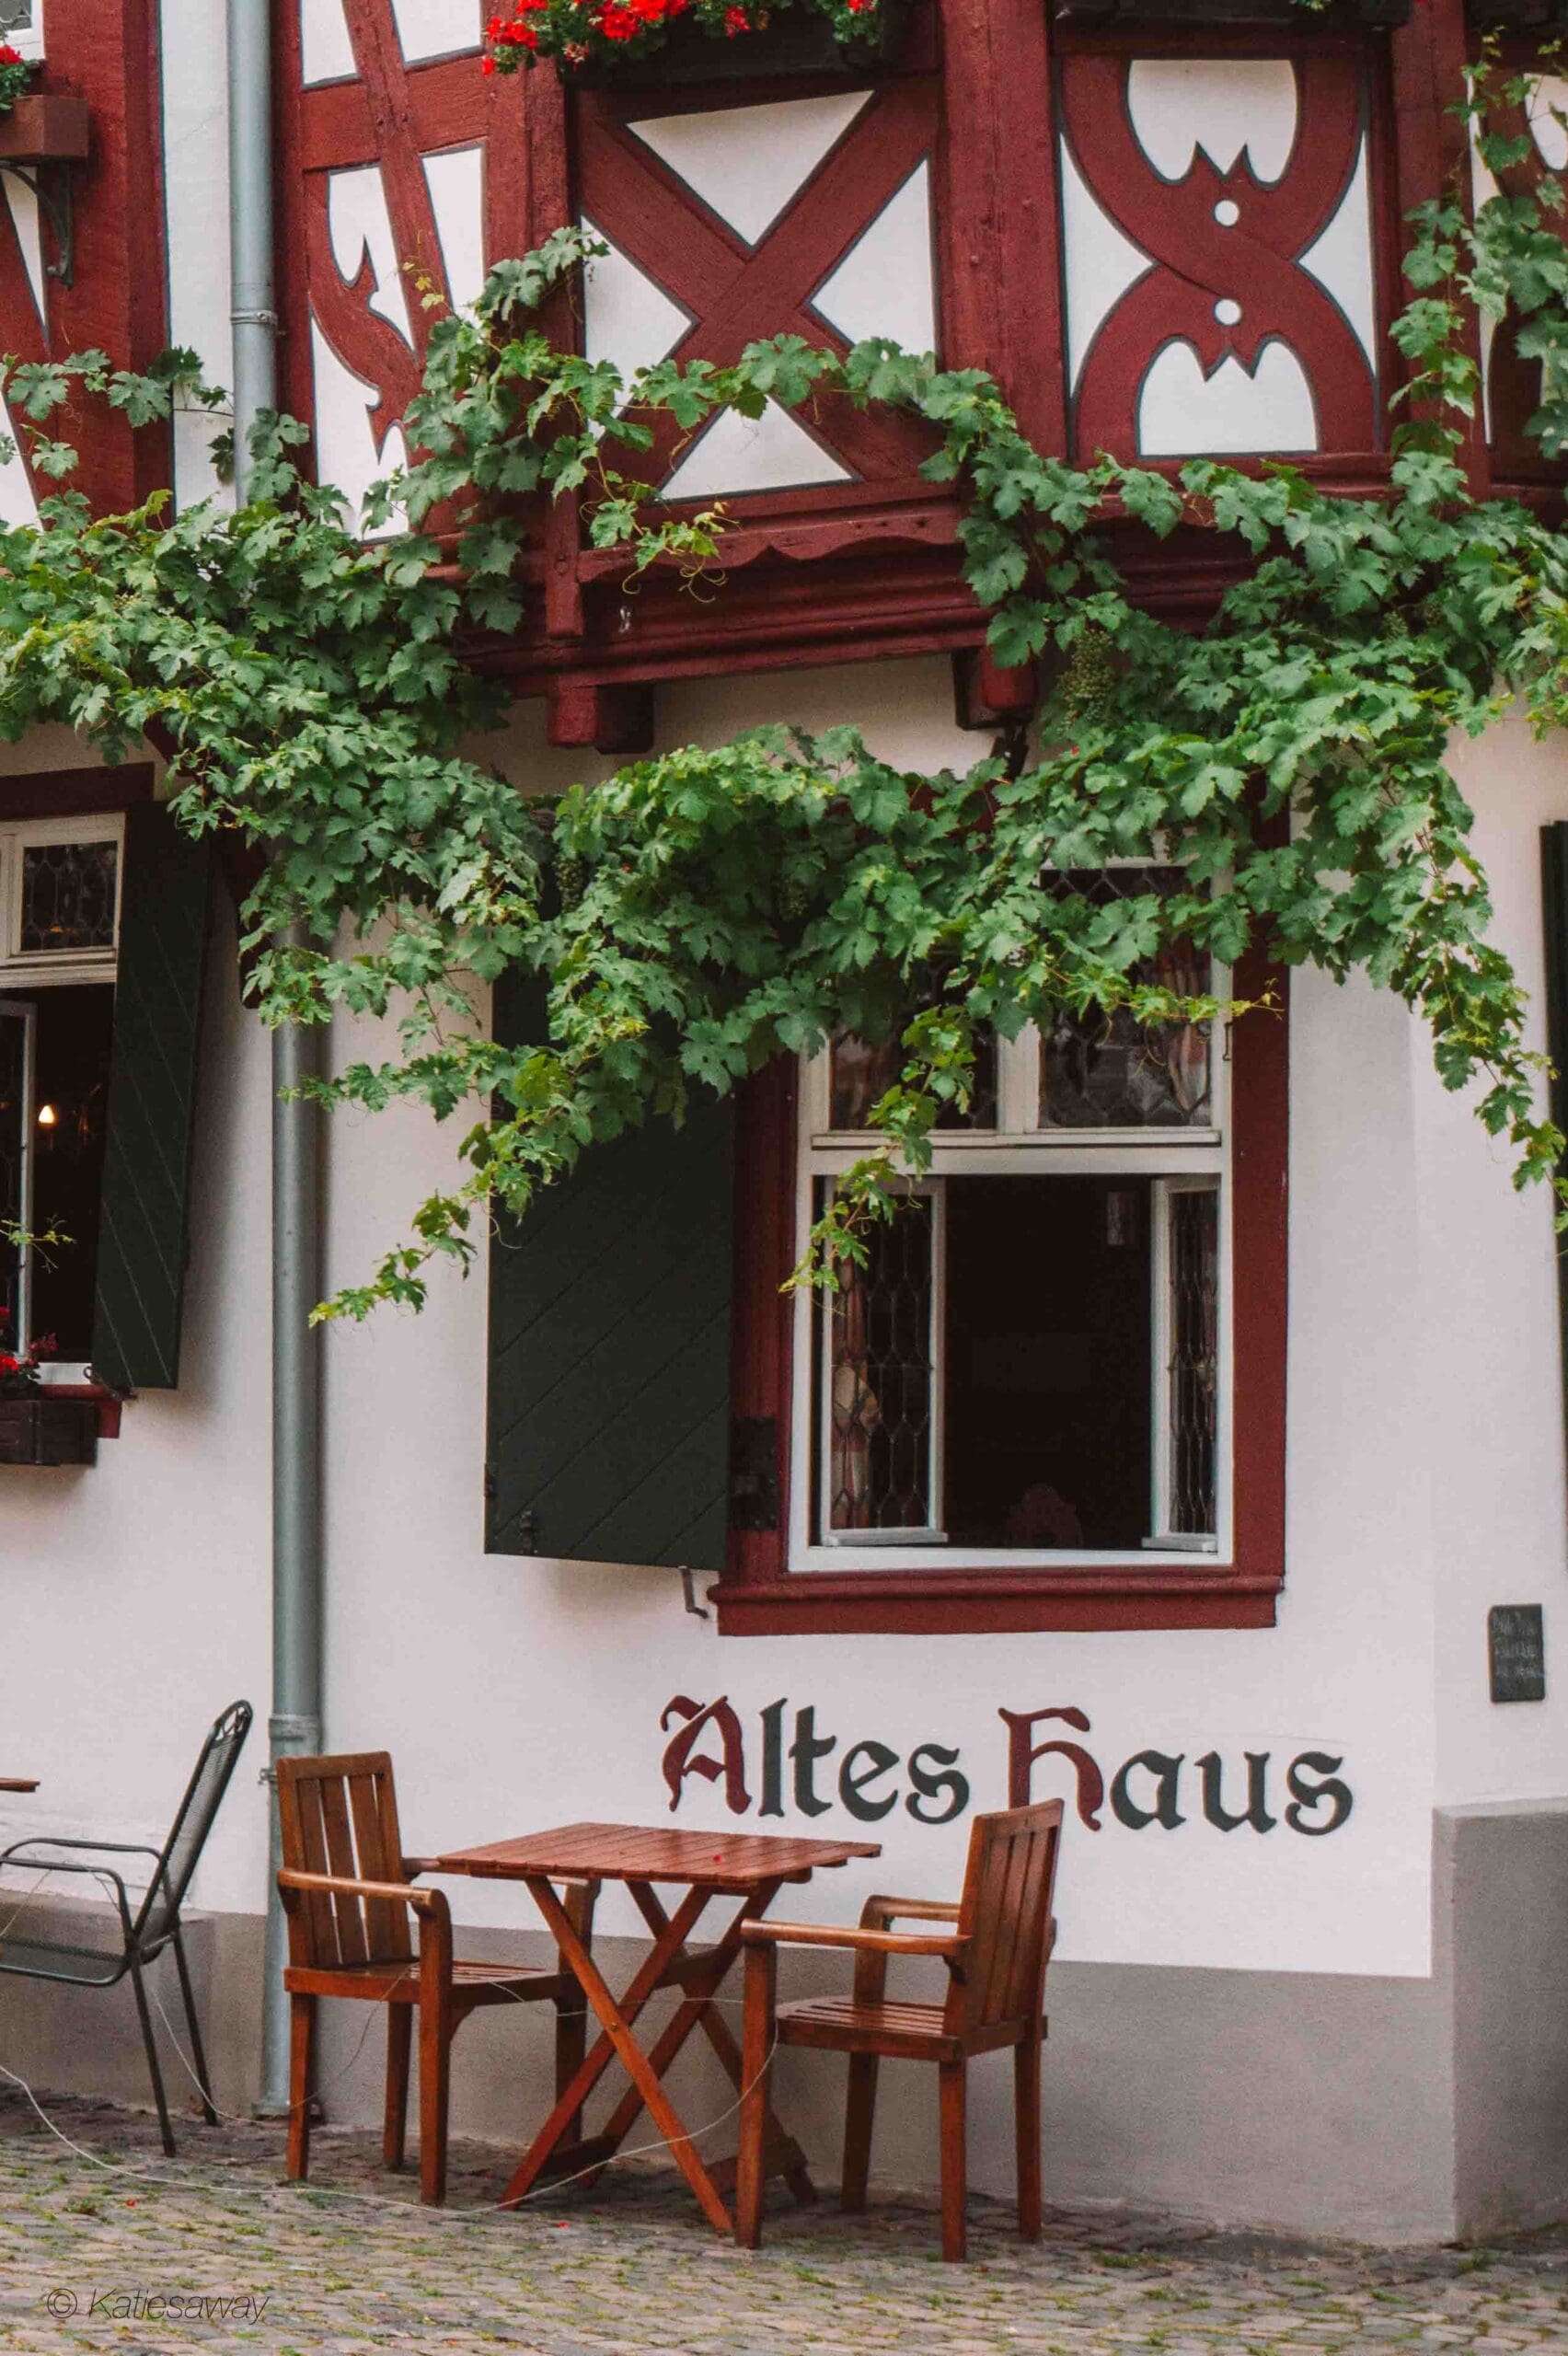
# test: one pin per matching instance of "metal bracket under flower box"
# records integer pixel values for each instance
(49, 1431)
(41, 142)
(1106, 14)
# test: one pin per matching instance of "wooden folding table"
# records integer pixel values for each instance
(749, 1866)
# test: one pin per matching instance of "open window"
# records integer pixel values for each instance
(102, 933)
(1031, 1364)
(1055, 1396)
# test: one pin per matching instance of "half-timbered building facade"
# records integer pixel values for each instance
(1179, 1453)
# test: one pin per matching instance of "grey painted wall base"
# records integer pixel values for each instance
(1386, 2110)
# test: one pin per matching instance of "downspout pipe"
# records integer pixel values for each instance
(294, 1726)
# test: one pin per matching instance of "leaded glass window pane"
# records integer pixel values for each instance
(1106, 1070)
(68, 896)
(1195, 1356)
(882, 1379)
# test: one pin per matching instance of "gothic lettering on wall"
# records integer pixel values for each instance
(796, 1763)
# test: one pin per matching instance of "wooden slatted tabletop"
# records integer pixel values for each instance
(718, 1861)
(712, 1866)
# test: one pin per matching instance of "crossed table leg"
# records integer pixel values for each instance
(700, 1977)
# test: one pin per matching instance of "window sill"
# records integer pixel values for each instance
(956, 1601)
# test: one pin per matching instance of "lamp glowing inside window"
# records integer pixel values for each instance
(47, 1117)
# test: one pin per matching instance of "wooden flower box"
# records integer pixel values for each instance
(1520, 16)
(41, 129)
(49, 1431)
(1231, 12)
(798, 41)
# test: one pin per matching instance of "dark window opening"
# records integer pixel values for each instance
(1048, 1397)
(54, 1059)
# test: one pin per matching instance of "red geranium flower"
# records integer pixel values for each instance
(736, 21)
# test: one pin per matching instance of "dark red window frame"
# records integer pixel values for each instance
(760, 1595)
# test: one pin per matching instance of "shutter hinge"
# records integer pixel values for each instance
(528, 1533)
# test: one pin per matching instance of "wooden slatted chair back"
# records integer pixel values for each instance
(1005, 1913)
(339, 1816)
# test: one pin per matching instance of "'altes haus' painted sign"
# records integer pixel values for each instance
(785, 1762)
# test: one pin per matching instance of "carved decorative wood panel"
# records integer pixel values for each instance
(1164, 243)
(1219, 252)
(731, 223)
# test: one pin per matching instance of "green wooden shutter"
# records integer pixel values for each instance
(152, 1100)
(609, 1350)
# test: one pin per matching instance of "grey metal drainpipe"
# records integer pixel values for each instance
(294, 1726)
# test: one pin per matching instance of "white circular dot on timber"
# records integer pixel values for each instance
(1227, 311)
(1227, 213)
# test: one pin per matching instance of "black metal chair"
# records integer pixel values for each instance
(156, 1924)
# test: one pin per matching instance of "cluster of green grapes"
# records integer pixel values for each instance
(1087, 687)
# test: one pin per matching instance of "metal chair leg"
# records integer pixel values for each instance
(157, 2075)
(198, 2054)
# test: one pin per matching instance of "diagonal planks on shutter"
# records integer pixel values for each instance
(610, 1354)
(143, 1224)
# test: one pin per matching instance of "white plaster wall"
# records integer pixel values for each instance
(1488, 1291)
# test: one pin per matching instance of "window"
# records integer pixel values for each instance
(60, 883)
(1029, 1366)
(1056, 1396)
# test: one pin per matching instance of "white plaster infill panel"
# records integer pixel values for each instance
(24, 214)
(626, 318)
(361, 224)
(18, 504)
(886, 285)
(746, 163)
(456, 179)
(1340, 260)
(346, 452)
(1547, 112)
(326, 51)
(1226, 106)
(737, 453)
(1100, 264)
(195, 182)
(1182, 413)
(437, 27)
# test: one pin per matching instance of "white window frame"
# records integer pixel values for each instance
(1174, 1158)
(38, 968)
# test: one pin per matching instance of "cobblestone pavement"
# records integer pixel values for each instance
(124, 2250)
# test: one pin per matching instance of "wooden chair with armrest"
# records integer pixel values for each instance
(348, 1894)
(996, 1952)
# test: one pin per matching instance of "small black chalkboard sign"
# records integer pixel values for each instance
(1516, 1644)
